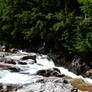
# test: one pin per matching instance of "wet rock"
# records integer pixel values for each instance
(7, 66)
(56, 70)
(3, 48)
(8, 88)
(61, 75)
(81, 65)
(51, 84)
(8, 60)
(88, 74)
(13, 61)
(29, 57)
(65, 81)
(41, 72)
(22, 63)
(74, 90)
(3, 54)
(76, 63)
(50, 72)
(81, 84)
(77, 66)
(58, 58)
(14, 69)
(13, 50)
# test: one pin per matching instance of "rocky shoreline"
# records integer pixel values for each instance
(76, 63)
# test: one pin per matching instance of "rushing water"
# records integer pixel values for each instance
(27, 72)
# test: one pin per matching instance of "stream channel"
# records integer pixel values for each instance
(18, 69)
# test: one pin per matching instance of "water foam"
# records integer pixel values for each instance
(45, 61)
(26, 74)
(16, 78)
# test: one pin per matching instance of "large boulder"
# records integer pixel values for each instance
(29, 57)
(45, 84)
(51, 84)
(50, 72)
(81, 84)
(77, 63)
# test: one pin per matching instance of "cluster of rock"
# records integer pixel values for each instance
(79, 64)
(50, 72)
(10, 63)
(51, 84)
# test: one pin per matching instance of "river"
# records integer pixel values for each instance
(28, 68)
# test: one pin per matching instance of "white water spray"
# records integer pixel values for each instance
(25, 75)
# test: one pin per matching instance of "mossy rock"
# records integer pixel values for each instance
(81, 84)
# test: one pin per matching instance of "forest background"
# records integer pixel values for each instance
(59, 25)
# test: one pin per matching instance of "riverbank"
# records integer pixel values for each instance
(80, 64)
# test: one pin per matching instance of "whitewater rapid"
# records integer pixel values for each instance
(28, 71)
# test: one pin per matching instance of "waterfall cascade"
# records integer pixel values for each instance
(24, 71)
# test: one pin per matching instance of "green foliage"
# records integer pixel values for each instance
(60, 24)
(86, 7)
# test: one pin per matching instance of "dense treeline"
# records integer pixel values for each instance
(64, 25)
